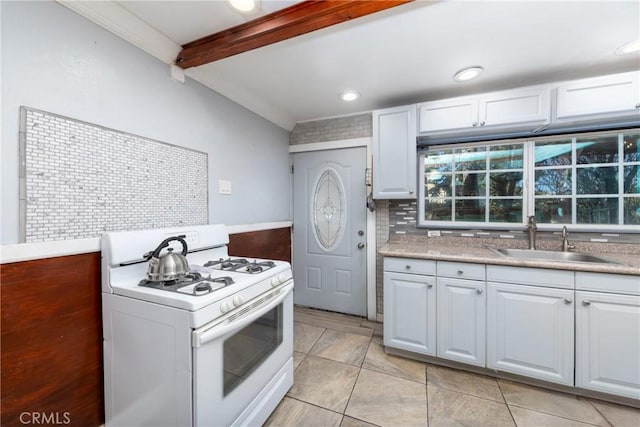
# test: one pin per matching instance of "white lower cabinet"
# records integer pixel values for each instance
(571, 328)
(461, 320)
(410, 312)
(608, 343)
(530, 331)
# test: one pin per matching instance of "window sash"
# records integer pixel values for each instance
(529, 198)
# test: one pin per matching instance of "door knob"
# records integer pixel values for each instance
(360, 245)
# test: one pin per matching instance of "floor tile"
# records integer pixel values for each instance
(324, 383)
(464, 382)
(297, 358)
(305, 336)
(291, 412)
(333, 322)
(377, 360)
(529, 418)
(341, 347)
(551, 402)
(388, 401)
(618, 415)
(449, 408)
(330, 316)
(353, 422)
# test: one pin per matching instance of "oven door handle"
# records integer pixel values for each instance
(209, 333)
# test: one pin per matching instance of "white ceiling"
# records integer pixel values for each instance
(402, 55)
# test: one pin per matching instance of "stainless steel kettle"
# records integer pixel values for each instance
(170, 266)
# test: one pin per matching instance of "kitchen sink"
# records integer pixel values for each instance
(558, 256)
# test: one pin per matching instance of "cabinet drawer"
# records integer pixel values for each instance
(461, 270)
(531, 276)
(602, 282)
(409, 265)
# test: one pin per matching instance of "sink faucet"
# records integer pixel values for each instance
(531, 230)
(566, 246)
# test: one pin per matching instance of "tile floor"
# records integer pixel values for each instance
(344, 378)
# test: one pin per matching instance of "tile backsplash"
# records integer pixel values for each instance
(78, 180)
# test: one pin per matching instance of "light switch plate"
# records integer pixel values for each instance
(224, 186)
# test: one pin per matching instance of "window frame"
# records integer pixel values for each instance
(528, 188)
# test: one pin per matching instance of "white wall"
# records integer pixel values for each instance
(57, 61)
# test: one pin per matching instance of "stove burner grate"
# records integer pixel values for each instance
(240, 265)
(203, 285)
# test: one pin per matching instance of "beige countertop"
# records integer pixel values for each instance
(482, 255)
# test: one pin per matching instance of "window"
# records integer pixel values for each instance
(585, 180)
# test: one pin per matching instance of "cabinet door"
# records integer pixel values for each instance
(515, 107)
(608, 343)
(530, 331)
(394, 153)
(410, 312)
(461, 320)
(450, 114)
(617, 94)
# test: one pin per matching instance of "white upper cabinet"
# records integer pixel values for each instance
(511, 109)
(394, 153)
(449, 114)
(616, 95)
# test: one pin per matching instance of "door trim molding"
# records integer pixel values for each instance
(333, 145)
(371, 216)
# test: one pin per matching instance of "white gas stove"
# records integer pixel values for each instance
(213, 347)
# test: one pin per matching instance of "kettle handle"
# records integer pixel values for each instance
(165, 243)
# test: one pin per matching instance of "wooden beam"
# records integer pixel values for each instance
(301, 18)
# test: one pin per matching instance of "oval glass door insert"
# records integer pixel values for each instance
(328, 209)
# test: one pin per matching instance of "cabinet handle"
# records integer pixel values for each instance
(586, 302)
(430, 285)
(568, 300)
(460, 272)
(410, 191)
(474, 124)
(408, 267)
(482, 123)
(479, 290)
(638, 105)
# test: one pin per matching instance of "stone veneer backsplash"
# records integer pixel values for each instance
(396, 221)
(78, 180)
(348, 127)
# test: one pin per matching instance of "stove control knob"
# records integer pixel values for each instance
(238, 300)
(275, 281)
(225, 307)
(282, 278)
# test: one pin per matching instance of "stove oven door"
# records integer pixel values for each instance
(243, 366)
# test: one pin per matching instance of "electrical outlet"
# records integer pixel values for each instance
(224, 186)
(433, 233)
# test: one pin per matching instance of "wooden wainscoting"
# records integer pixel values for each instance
(268, 244)
(52, 341)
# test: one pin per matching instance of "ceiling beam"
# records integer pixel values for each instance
(301, 18)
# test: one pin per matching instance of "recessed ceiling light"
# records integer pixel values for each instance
(468, 73)
(244, 6)
(349, 95)
(631, 47)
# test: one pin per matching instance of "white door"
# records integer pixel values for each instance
(410, 312)
(329, 237)
(461, 317)
(530, 331)
(608, 343)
